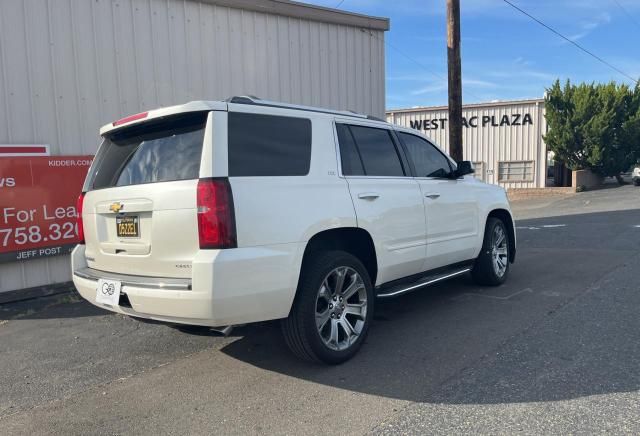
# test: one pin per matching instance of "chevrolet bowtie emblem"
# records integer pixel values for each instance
(115, 207)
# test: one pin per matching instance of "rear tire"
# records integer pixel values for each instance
(492, 265)
(333, 308)
(636, 182)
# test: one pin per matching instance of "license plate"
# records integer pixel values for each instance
(108, 292)
(127, 226)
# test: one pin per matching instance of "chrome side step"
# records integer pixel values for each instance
(426, 281)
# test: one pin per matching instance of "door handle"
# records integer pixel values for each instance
(432, 196)
(368, 195)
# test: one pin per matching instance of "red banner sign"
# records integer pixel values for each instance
(38, 205)
(7, 150)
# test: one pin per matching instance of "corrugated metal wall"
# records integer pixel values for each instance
(490, 144)
(68, 67)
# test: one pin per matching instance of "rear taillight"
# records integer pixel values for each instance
(216, 219)
(79, 224)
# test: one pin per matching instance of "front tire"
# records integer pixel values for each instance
(492, 265)
(333, 308)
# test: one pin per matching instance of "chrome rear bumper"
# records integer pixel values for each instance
(168, 283)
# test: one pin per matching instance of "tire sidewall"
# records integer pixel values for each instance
(493, 223)
(309, 290)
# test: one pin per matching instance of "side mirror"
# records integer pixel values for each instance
(464, 167)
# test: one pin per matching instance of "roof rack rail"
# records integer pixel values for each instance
(369, 117)
(374, 118)
(250, 99)
(243, 99)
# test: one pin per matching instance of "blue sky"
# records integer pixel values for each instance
(505, 55)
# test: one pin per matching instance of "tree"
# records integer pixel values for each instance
(630, 131)
(594, 126)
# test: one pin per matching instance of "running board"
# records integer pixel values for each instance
(397, 290)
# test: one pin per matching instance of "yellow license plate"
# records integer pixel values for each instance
(127, 226)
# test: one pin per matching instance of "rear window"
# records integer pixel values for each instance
(377, 151)
(160, 150)
(268, 145)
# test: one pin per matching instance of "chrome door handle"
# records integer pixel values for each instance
(368, 195)
(432, 196)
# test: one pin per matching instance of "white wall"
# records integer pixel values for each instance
(69, 66)
(489, 144)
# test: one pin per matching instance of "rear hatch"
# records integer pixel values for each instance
(140, 214)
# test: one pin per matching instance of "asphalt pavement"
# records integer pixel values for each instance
(554, 350)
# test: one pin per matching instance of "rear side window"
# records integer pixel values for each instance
(159, 150)
(377, 152)
(268, 145)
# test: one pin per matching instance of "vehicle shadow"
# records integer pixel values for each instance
(564, 326)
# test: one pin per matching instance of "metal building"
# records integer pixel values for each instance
(68, 67)
(504, 139)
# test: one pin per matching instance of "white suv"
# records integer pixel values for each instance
(224, 213)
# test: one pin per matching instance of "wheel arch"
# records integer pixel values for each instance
(505, 216)
(353, 240)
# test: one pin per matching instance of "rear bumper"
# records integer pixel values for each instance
(170, 305)
(226, 287)
(128, 280)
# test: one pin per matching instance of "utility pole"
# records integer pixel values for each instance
(455, 79)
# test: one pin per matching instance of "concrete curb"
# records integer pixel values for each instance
(35, 292)
(526, 193)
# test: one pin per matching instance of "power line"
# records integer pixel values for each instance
(571, 41)
(400, 51)
(420, 64)
(631, 17)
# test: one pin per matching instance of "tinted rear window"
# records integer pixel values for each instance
(268, 145)
(378, 152)
(156, 151)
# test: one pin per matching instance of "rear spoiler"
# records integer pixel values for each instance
(193, 106)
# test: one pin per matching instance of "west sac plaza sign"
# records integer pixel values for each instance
(474, 121)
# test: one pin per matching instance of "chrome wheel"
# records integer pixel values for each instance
(499, 251)
(341, 308)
